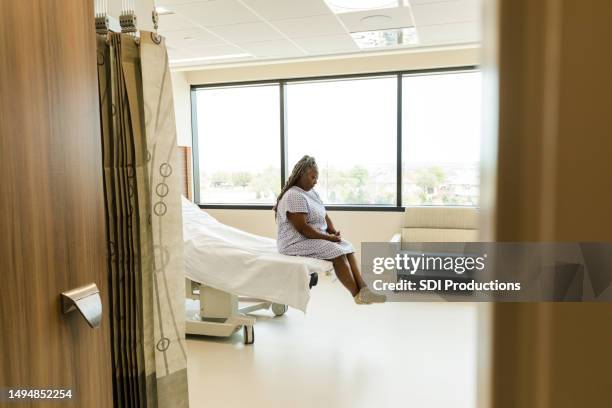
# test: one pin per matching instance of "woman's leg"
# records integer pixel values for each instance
(344, 274)
(366, 296)
(356, 272)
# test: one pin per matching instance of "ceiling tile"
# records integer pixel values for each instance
(281, 9)
(326, 44)
(249, 32)
(418, 2)
(352, 6)
(310, 26)
(190, 36)
(170, 22)
(381, 19)
(214, 30)
(167, 3)
(215, 50)
(453, 33)
(446, 12)
(176, 54)
(216, 13)
(276, 48)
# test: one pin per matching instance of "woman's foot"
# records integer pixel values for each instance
(359, 300)
(366, 296)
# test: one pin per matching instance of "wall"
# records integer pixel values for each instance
(356, 226)
(182, 108)
(182, 79)
(363, 63)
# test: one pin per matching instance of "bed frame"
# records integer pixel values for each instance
(220, 314)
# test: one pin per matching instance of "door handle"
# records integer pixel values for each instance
(85, 299)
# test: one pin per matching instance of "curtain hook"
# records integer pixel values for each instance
(155, 36)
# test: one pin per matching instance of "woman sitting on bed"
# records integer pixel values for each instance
(305, 229)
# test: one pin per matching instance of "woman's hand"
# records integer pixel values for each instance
(334, 237)
(331, 230)
(330, 227)
(298, 220)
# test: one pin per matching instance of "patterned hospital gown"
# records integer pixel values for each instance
(291, 242)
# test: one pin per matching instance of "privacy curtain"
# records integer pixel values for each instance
(144, 225)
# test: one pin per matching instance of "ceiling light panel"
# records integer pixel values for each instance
(386, 38)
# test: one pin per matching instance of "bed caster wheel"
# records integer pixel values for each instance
(279, 309)
(248, 334)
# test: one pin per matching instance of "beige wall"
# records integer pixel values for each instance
(182, 108)
(356, 226)
(433, 58)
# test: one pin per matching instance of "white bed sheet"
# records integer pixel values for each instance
(244, 264)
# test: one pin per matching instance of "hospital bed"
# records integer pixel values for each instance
(226, 267)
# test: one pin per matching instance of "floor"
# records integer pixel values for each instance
(342, 355)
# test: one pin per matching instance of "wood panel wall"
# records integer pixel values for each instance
(52, 230)
(186, 171)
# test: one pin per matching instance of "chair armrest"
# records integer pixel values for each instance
(396, 238)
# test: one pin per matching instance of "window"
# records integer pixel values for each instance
(239, 144)
(247, 138)
(441, 139)
(349, 126)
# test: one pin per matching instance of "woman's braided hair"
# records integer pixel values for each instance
(303, 165)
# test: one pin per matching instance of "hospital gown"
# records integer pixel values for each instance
(291, 242)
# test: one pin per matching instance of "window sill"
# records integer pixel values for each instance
(375, 208)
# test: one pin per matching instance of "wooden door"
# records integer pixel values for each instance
(553, 61)
(52, 231)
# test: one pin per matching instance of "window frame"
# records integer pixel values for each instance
(282, 82)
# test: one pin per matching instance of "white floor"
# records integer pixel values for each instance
(342, 355)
